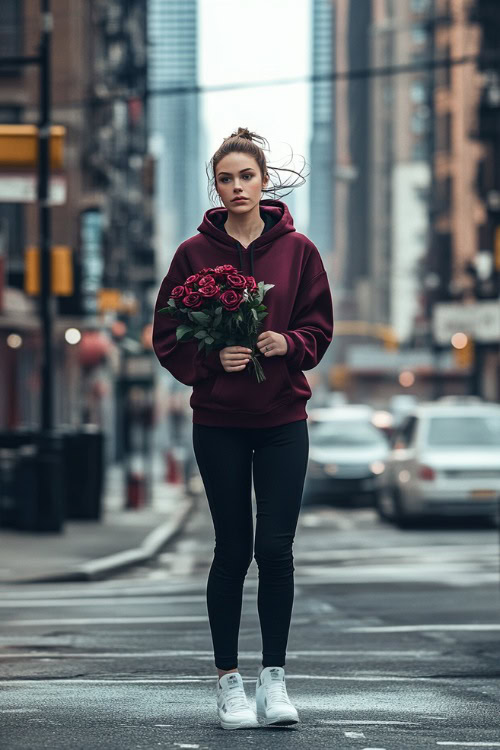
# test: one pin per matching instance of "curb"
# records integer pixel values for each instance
(102, 567)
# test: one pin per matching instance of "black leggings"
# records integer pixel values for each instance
(224, 456)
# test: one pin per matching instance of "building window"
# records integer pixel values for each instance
(443, 132)
(11, 33)
(420, 120)
(419, 6)
(443, 78)
(419, 150)
(443, 195)
(418, 33)
(418, 92)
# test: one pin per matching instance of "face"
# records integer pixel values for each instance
(238, 176)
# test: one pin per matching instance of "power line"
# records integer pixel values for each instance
(415, 67)
(480, 60)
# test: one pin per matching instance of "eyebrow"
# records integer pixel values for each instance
(241, 170)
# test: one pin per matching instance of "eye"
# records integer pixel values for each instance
(248, 175)
(223, 179)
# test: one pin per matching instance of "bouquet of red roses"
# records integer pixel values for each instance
(220, 307)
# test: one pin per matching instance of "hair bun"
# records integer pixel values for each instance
(243, 133)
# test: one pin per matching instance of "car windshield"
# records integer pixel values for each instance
(345, 433)
(466, 431)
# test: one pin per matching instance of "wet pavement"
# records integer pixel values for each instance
(393, 645)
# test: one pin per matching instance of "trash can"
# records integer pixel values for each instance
(83, 459)
(31, 481)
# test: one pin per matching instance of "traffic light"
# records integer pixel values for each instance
(19, 146)
(61, 271)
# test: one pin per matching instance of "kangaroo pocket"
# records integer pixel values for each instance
(240, 391)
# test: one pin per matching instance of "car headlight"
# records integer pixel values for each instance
(377, 467)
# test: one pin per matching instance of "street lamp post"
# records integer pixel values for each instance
(46, 298)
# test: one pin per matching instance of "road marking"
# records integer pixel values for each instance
(431, 552)
(105, 620)
(209, 678)
(102, 601)
(354, 734)
(468, 627)
(470, 744)
(369, 721)
(35, 654)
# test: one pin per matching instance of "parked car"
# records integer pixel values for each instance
(347, 455)
(445, 461)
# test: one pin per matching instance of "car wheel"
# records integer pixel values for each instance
(402, 519)
(385, 504)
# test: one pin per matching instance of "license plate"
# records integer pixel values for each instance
(482, 494)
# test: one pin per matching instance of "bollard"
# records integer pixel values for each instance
(136, 489)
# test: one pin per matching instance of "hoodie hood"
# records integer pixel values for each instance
(277, 219)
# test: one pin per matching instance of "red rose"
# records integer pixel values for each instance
(231, 299)
(208, 279)
(192, 279)
(228, 268)
(251, 284)
(178, 292)
(209, 290)
(193, 300)
(236, 280)
(204, 271)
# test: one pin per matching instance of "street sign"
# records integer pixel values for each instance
(480, 320)
(22, 188)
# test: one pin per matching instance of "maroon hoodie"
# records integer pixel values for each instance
(299, 307)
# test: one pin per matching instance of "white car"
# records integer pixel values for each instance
(445, 460)
(346, 456)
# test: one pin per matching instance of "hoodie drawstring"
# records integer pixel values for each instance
(241, 258)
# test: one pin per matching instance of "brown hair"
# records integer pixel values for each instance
(244, 141)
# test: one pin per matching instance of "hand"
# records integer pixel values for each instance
(234, 358)
(276, 343)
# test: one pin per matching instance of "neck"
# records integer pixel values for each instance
(245, 227)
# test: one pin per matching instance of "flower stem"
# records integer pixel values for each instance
(259, 372)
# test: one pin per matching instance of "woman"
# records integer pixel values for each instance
(241, 426)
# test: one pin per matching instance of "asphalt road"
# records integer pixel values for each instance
(394, 645)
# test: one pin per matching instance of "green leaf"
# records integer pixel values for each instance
(183, 332)
(201, 345)
(200, 334)
(200, 316)
(209, 340)
(254, 313)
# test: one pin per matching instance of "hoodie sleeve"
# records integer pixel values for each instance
(182, 360)
(311, 326)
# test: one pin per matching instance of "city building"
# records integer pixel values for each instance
(323, 122)
(400, 121)
(174, 123)
(103, 213)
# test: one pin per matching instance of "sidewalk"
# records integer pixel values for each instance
(89, 550)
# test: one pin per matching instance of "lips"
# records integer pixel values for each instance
(238, 200)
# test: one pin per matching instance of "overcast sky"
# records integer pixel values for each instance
(258, 40)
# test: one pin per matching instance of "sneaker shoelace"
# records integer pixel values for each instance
(278, 690)
(236, 699)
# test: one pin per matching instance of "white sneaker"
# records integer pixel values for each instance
(232, 705)
(273, 704)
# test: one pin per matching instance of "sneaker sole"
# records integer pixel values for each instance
(283, 721)
(242, 725)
